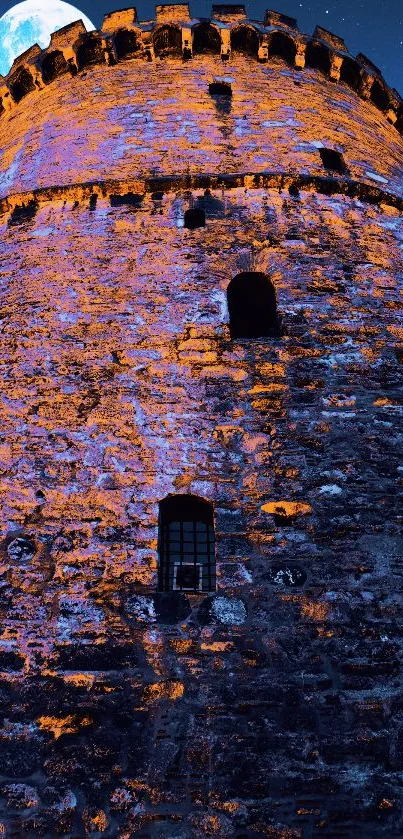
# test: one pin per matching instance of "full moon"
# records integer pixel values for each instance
(33, 21)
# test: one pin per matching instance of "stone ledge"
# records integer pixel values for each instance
(23, 205)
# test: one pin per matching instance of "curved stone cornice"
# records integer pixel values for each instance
(23, 205)
(174, 33)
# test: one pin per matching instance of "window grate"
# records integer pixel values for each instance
(186, 545)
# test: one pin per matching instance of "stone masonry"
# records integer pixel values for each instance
(273, 706)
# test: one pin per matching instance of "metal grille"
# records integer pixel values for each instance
(186, 545)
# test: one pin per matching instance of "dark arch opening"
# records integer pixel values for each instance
(206, 39)
(318, 57)
(89, 52)
(195, 217)
(283, 46)
(252, 306)
(245, 39)
(54, 64)
(126, 43)
(380, 95)
(186, 544)
(21, 84)
(167, 40)
(350, 74)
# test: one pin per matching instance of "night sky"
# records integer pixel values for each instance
(374, 27)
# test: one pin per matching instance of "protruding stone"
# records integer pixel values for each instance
(230, 611)
(21, 550)
(287, 575)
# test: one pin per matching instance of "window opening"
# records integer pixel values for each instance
(22, 84)
(252, 306)
(218, 88)
(125, 43)
(283, 46)
(194, 218)
(53, 65)
(245, 39)
(379, 95)
(206, 38)
(332, 160)
(186, 544)
(167, 41)
(350, 73)
(318, 57)
(89, 52)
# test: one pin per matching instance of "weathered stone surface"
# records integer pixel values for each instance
(271, 707)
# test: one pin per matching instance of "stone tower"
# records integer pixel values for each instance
(201, 441)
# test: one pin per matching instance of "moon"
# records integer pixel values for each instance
(33, 21)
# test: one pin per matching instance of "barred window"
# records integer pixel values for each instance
(186, 544)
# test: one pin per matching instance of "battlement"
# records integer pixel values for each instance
(175, 34)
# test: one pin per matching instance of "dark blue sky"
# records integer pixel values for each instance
(374, 27)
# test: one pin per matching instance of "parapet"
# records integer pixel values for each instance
(174, 33)
(333, 40)
(28, 57)
(172, 12)
(67, 35)
(228, 13)
(119, 19)
(278, 20)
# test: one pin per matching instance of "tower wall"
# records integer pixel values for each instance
(271, 707)
(145, 120)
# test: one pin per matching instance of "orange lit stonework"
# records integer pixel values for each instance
(270, 707)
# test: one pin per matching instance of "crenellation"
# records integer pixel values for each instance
(367, 80)
(368, 64)
(300, 55)
(67, 36)
(333, 40)
(121, 19)
(174, 33)
(5, 96)
(172, 12)
(228, 13)
(277, 19)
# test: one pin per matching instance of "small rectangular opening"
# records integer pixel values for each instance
(187, 577)
(218, 88)
(332, 160)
